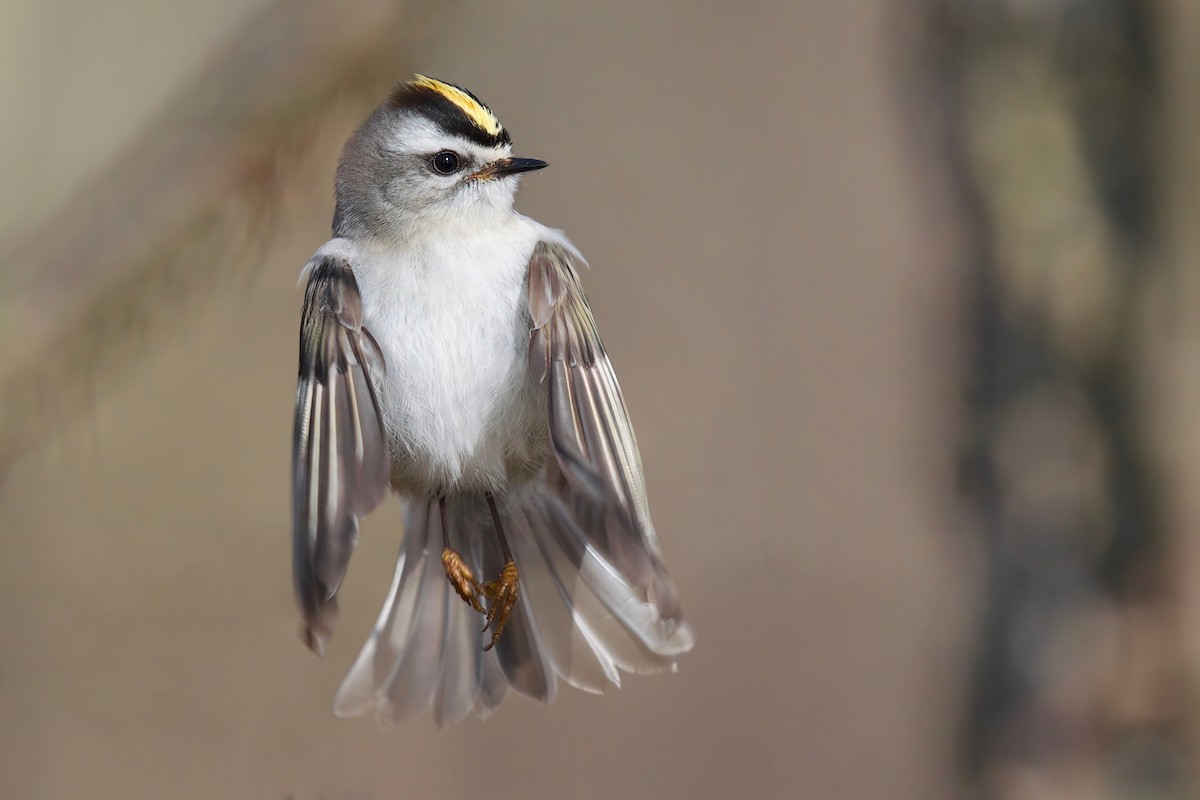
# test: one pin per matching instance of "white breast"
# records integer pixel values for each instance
(449, 315)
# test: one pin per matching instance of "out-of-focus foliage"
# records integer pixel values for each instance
(1048, 119)
(186, 211)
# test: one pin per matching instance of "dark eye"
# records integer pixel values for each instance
(445, 162)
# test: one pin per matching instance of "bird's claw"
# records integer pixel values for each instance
(502, 593)
(463, 579)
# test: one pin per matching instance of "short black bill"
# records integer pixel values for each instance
(510, 166)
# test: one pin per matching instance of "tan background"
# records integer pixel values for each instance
(770, 286)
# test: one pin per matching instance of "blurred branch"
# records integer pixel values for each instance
(188, 207)
(1044, 117)
(1173, 319)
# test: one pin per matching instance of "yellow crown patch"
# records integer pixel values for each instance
(476, 111)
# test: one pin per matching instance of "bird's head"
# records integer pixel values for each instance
(431, 155)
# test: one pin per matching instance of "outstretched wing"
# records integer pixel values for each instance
(339, 462)
(589, 427)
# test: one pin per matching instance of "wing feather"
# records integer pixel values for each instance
(340, 459)
(592, 437)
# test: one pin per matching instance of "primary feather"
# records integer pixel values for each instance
(340, 463)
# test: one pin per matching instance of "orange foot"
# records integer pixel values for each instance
(462, 579)
(502, 593)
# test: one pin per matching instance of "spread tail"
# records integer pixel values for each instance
(579, 618)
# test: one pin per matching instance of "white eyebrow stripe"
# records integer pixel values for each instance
(416, 135)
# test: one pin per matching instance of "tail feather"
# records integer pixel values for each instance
(386, 649)
(578, 619)
(462, 663)
(355, 698)
(495, 688)
(547, 586)
(417, 674)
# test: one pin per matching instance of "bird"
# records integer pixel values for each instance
(448, 355)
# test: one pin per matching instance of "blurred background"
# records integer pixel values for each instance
(902, 300)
